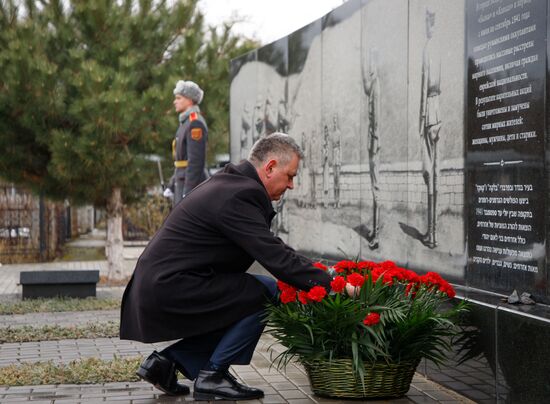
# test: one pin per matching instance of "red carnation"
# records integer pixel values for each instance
(302, 297)
(356, 279)
(376, 273)
(317, 293)
(288, 295)
(362, 265)
(388, 265)
(283, 286)
(346, 266)
(446, 288)
(338, 284)
(372, 319)
(320, 266)
(411, 276)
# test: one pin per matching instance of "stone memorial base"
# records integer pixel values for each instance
(71, 283)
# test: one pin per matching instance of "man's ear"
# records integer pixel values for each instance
(269, 166)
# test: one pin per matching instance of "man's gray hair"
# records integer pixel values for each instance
(278, 145)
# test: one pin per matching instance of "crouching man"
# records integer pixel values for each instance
(190, 284)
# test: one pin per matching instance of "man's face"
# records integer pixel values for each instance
(181, 103)
(281, 177)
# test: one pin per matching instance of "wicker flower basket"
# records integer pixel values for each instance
(336, 379)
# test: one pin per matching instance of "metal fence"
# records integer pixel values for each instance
(31, 228)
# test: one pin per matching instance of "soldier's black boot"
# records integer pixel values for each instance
(161, 372)
(429, 238)
(373, 237)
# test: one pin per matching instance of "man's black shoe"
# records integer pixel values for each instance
(222, 385)
(161, 372)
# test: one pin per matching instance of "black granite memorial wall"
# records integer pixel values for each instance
(424, 128)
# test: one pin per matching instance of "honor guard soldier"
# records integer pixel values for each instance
(189, 145)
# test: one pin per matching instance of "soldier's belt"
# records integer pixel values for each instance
(180, 163)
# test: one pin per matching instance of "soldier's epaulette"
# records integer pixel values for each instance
(193, 116)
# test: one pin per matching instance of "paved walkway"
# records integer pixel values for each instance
(290, 386)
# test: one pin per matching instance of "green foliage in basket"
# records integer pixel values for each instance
(375, 312)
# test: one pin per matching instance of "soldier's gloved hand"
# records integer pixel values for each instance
(168, 193)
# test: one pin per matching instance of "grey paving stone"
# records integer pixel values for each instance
(18, 390)
(324, 400)
(118, 399)
(40, 401)
(422, 400)
(476, 394)
(440, 395)
(273, 399)
(414, 391)
(43, 395)
(275, 378)
(457, 386)
(424, 386)
(442, 377)
(283, 386)
(292, 394)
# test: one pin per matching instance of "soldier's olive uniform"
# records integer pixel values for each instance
(189, 150)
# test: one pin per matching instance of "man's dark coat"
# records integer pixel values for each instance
(191, 278)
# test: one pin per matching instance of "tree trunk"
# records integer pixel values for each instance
(114, 245)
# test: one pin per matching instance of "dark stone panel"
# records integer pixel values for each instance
(523, 350)
(505, 146)
(299, 43)
(341, 13)
(471, 367)
(239, 62)
(275, 54)
(547, 157)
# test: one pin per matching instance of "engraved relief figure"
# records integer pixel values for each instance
(259, 120)
(280, 218)
(311, 165)
(283, 124)
(430, 124)
(303, 173)
(270, 116)
(371, 86)
(337, 159)
(326, 165)
(246, 133)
